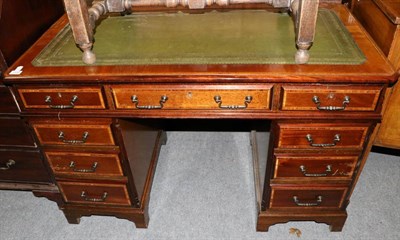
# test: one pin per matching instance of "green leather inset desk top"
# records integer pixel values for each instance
(235, 37)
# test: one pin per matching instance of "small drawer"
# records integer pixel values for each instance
(307, 197)
(94, 193)
(62, 98)
(314, 166)
(73, 134)
(330, 98)
(211, 97)
(22, 166)
(8, 104)
(322, 135)
(14, 132)
(85, 164)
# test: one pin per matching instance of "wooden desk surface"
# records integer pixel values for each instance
(376, 69)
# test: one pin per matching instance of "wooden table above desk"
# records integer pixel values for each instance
(92, 124)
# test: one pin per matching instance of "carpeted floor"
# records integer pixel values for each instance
(203, 189)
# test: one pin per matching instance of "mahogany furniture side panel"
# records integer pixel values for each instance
(381, 18)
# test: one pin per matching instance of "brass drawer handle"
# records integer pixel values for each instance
(9, 164)
(311, 204)
(346, 102)
(71, 105)
(91, 170)
(310, 140)
(247, 100)
(89, 199)
(327, 171)
(163, 100)
(61, 136)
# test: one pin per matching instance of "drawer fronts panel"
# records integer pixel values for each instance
(85, 164)
(197, 97)
(73, 134)
(95, 193)
(22, 166)
(307, 197)
(317, 136)
(329, 166)
(62, 98)
(14, 132)
(330, 98)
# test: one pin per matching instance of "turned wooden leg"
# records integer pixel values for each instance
(305, 16)
(78, 16)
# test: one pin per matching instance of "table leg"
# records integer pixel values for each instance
(305, 18)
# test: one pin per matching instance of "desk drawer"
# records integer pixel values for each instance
(14, 132)
(94, 193)
(212, 97)
(22, 166)
(85, 164)
(307, 197)
(314, 166)
(330, 98)
(322, 135)
(73, 133)
(62, 98)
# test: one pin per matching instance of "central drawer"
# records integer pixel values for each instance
(192, 97)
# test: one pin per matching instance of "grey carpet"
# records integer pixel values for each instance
(203, 190)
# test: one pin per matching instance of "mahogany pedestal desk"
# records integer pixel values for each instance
(97, 126)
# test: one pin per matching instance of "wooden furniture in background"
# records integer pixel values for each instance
(381, 18)
(98, 126)
(22, 166)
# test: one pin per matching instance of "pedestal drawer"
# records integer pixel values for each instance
(94, 193)
(330, 98)
(314, 166)
(22, 166)
(307, 197)
(73, 133)
(193, 97)
(322, 135)
(62, 98)
(85, 164)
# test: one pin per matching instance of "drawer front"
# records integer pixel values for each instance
(322, 135)
(307, 197)
(14, 132)
(22, 166)
(85, 164)
(330, 98)
(73, 134)
(329, 166)
(94, 193)
(8, 104)
(197, 97)
(62, 98)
